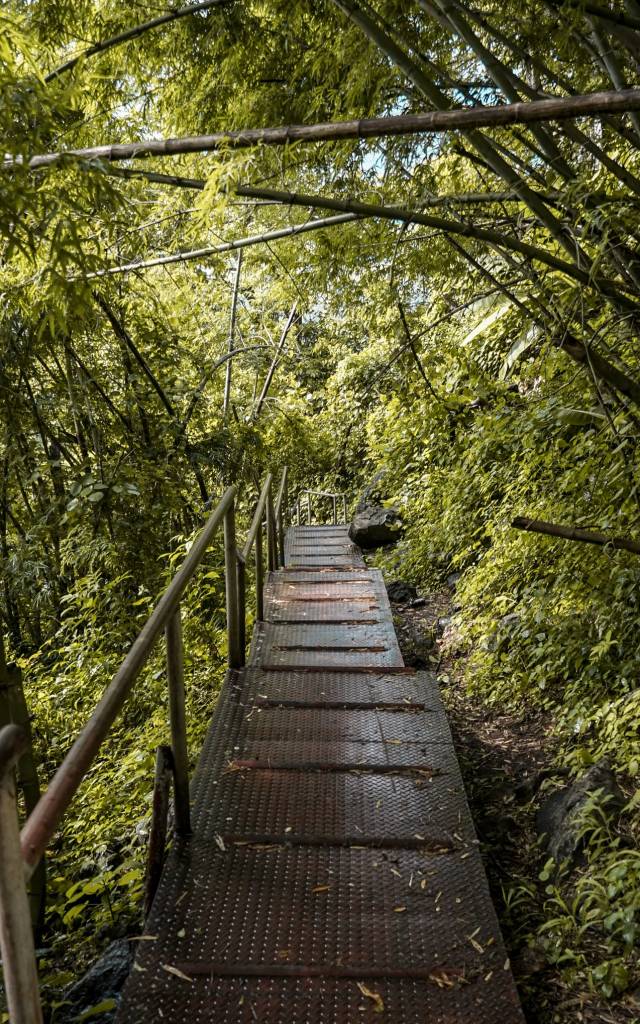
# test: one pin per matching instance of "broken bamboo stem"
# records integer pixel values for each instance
(575, 533)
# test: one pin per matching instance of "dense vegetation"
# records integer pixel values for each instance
(485, 356)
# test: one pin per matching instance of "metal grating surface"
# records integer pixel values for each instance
(357, 725)
(321, 546)
(344, 688)
(333, 845)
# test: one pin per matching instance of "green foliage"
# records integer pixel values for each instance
(508, 401)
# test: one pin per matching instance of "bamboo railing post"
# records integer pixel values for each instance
(159, 817)
(272, 541)
(231, 580)
(298, 511)
(14, 711)
(16, 935)
(335, 509)
(241, 570)
(309, 507)
(281, 505)
(175, 679)
(344, 507)
(259, 577)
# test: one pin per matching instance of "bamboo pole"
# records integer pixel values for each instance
(232, 337)
(177, 718)
(16, 937)
(214, 250)
(434, 122)
(553, 196)
(454, 227)
(575, 533)
(274, 362)
(133, 33)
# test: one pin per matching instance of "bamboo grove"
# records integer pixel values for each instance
(345, 236)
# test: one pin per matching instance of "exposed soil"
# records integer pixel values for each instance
(501, 756)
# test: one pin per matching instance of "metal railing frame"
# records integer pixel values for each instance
(309, 494)
(20, 852)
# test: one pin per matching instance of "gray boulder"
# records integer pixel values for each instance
(374, 526)
(401, 592)
(418, 643)
(560, 816)
(374, 493)
(102, 983)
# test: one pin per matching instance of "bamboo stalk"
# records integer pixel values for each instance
(575, 533)
(16, 936)
(449, 199)
(133, 33)
(434, 122)
(454, 227)
(232, 336)
(239, 243)
(274, 362)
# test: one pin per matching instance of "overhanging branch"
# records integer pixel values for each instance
(435, 122)
(575, 533)
(214, 250)
(133, 33)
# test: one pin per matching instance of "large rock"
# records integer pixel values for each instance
(101, 984)
(417, 643)
(374, 526)
(374, 493)
(561, 815)
(401, 592)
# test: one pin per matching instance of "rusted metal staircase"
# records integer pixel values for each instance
(324, 866)
(333, 874)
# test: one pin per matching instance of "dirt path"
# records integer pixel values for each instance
(501, 756)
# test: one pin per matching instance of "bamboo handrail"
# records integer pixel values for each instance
(41, 824)
(258, 516)
(21, 853)
(333, 495)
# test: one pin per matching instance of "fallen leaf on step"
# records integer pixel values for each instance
(178, 973)
(375, 996)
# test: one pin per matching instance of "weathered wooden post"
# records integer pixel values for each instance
(14, 711)
(16, 934)
(334, 501)
(159, 817)
(259, 576)
(280, 516)
(309, 507)
(231, 577)
(272, 540)
(241, 570)
(344, 507)
(177, 717)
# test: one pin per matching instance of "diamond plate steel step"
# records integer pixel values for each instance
(333, 875)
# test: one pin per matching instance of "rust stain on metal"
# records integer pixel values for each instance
(327, 799)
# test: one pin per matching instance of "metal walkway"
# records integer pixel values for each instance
(333, 874)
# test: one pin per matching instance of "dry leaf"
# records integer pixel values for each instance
(321, 888)
(399, 910)
(178, 973)
(375, 996)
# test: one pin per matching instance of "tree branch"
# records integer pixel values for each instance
(575, 533)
